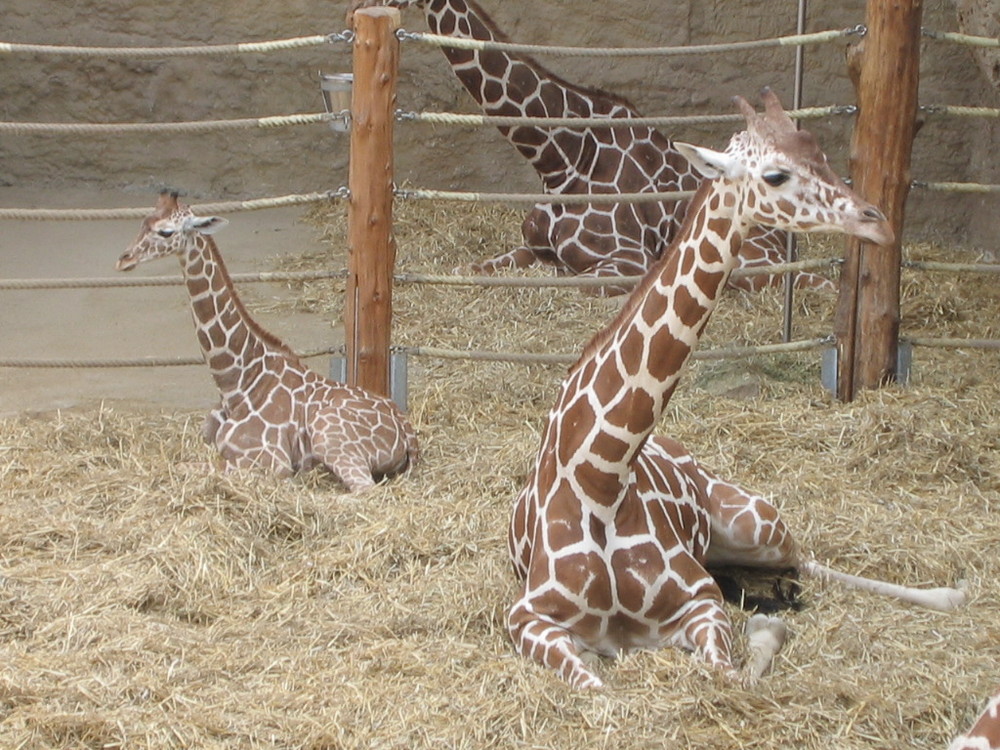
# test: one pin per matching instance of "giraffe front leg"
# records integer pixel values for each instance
(549, 645)
(706, 629)
(622, 264)
(212, 424)
(519, 257)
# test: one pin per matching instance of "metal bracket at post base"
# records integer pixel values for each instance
(398, 375)
(904, 364)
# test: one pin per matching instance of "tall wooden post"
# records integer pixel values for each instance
(372, 253)
(885, 70)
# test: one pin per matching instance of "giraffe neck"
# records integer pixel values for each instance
(617, 391)
(516, 85)
(235, 347)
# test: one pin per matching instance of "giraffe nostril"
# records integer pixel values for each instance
(874, 214)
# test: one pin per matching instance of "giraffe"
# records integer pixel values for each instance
(985, 732)
(614, 530)
(274, 411)
(591, 240)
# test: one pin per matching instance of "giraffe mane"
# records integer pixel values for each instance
(263, 334)
(670, 255)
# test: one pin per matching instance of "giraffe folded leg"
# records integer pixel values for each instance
(705, 629)
(626, 263)
(519, 257)
(551, 646)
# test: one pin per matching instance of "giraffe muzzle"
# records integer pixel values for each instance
(126, 262)
(872, 226)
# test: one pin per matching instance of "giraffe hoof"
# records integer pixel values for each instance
(766, 626)
(766, 635)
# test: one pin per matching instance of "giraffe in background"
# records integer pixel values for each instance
(985, 732)
(275, 412)
(590, 240)
(614, 528)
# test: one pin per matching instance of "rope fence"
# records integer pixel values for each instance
(459, 120)
(197, 126)
(137, 362)
(101, 214)
(447, 118)
(718, 353)
(239, 48)
(267, 277)
(794, 40)
(347, 36)
(964, 39)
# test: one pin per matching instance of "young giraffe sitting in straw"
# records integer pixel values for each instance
(275, 412)
(589, 240)
(985, 732)
(615, 528)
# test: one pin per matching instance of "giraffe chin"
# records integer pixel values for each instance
(126, 263)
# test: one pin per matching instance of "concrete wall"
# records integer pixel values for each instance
(302, 159)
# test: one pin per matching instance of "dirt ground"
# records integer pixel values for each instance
(130, 322)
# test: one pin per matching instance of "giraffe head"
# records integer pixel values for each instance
(169, 230)
(785, 180)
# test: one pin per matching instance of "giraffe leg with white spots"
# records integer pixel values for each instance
(550, 645)
(520, 257)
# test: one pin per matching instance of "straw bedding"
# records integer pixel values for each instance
(148, 602)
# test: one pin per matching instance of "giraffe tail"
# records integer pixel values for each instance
(944, 598)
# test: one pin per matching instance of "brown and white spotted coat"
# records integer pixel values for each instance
(275, 412)
(614, 529)
(985, 732)
(595, 240)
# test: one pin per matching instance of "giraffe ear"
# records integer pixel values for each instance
(711, 163)
(205, 224)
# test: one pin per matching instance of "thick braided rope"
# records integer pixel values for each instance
(94, 214)
(201, 126)
(953, 343)
(147, 281)
(557, 198)
(277, 121)
(930, 265)
(956, 187)
(966, 39)
(449, 118)
(207, 49)
(137, 362)
(956, 111)
(477, 44)
(725, 352)
(577, 282)
(403, 278)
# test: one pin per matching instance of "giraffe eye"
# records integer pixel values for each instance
(774, 179)
(165, 232)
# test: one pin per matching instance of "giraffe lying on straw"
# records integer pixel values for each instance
(615, 527)
(985, 732)
(589, 240)
(275, 412)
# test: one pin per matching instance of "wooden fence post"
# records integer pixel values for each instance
(885, 70)
(372, 249)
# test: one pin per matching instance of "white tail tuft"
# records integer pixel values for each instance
(943, 598)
